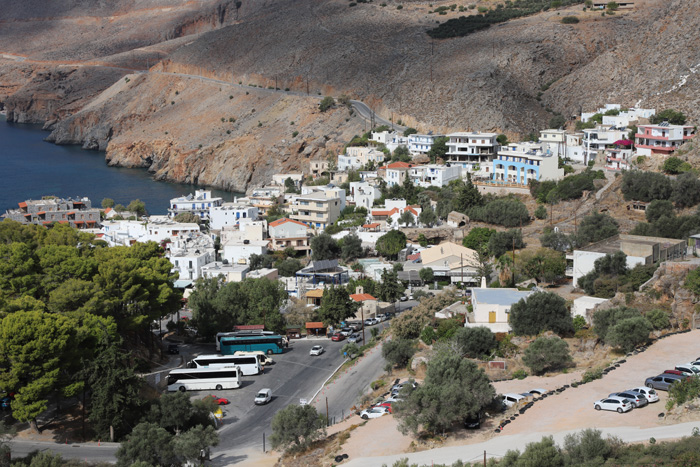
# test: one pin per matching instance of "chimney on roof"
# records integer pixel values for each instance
(359, 290)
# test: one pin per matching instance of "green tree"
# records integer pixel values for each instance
(508, 212)
(658, 208)
(478, 238)
(189, 445)
(454, 389)
(541, 311)
(115, 401)
(629, 333)
(587, 447)
(336, 306)
(475, 342)
(401, 154)
(673, 165)
(674, 117)
(107, 203)
(389, 289)
(596, 227)
(398, 352)
(545, 265)
(547, 354)
(406, 218)
(427, 217)
(296, 426)
(438, 149)
(409, 131)
(326, 103)
(502, 140)
(686, 191)
(502, 242)
(544, 453)
(467, 196)
(290, 186)
(137, 206)
(606, 319)
(148, 443)
(390, 244)
(426, 275)
(558, 120)
(324, 247)
(351, 349)
(351, 248)
(658, 319)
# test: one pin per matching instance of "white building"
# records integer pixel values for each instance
(364, 194)
(662, 139)
(492, 307)
(472, 151)
(188, 253)
(239, 245)
(522, 162)
(281, 179)
(358, 157)
(598, 139)
(198, 204)
(231, 214)
(421, 144)
(617, 159)
(584, 306)
(288, 233)
(623, 118)
(388, 215)
(384, 137)
(156, 229)
(435, 175)
(230, 272)
(395, 173)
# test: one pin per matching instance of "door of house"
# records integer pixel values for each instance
(492, 316)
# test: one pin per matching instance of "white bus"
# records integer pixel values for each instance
(248, 364)
(198, 379)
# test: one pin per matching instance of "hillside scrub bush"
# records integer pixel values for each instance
(606, 319)
(547, 354)
(399, 351)
(596, 227)
(475, 342)
(673, 165)
(541, 212)
(684, 391)
(326, 103)
(658, 208)
(686, 190)
(570, 20)
(658, 319)
(674, 117)
(592, 375)
(629, 333)
(508, 212)
(428, 335)
(646, 186)
(541, 311)
(502, 242)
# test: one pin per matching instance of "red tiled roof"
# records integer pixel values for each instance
(22, 204)
(62, 222)
(285, 220)
(108, 210)
(373, 225)
(361, 297)
(413, 257)
(40, 213)
(77, 202)
(385, 213)
(46, 222)
(398, 165)
(410, 209)
(71, 213)
(315, 325)
(28, 215)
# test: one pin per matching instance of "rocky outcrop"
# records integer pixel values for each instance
(195, 131)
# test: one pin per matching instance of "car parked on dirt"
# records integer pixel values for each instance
(374, 412)
(636, 399)
(537, 391)
(663, 381)
(473, 423)
(649, 393)
(512, 399)
(688, 369)
(618, 404)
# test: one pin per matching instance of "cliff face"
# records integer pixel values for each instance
(204, 132)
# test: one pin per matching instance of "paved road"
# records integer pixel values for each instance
(366, 113)
(86, 451)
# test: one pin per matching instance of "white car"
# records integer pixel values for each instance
(537, 391)
(316, 350)
(374, 412)
(618, 404)
(650, 394)
(688, 369)
(512, 399)
(263, 396)
(393, 399)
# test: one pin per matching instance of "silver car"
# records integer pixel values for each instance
(355, 338)
(636, 399)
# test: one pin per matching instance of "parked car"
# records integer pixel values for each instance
(649, 393)
(474, 422)
(368, 322)
(316, 350)
(346, 332)
(386, 405)
(355, 338)
(618, 404)
(394, 399)
(338, 337)
(173, 349)
(537, 391)
(219, 400)
(356, 326)
(381, 317)
(403, 298)
(663, 381)
(263, 396)
(399, 386)
(688, 369)
(512, 399)
(673, 372)
(5, 402)
(636, 399)
(374, 412)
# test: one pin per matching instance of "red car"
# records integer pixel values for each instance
(338, 337)
(385, 404)
(674, 372)
(220, 400)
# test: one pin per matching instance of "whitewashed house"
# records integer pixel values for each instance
(197, 204)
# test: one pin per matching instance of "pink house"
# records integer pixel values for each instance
(663, 138)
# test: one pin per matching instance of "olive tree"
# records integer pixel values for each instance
(296, 426)
(547, 353)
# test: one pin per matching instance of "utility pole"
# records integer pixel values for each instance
(484, 458)
(362, 310)
(328, 420)
(307, 85)
(432, 51)
(512, 268)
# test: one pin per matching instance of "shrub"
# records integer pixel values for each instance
(658, 208)
(596, 227)
(326, 103)
(658, 319)
(592, 375)
(569, 20)
(501, 242)
(686, 390)
(428, 335)
(673, 117)
(294, 134)
(541, 212)
(646, 186)
(398, 351)
(629, 333)
(674, 166)
(604, 320)
(508, 212)
(475, 342)
(546, 354)
(579, 323)
(519, 374)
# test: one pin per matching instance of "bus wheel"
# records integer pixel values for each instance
(219, 387)
(269, 351)
(182, 389)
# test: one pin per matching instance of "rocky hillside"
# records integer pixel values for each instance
(70, 66)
